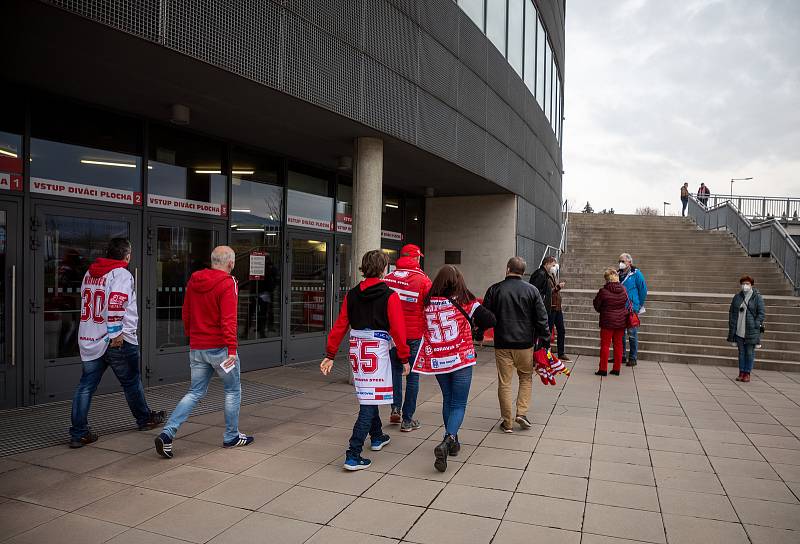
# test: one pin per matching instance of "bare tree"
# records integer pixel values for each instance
(646, 210)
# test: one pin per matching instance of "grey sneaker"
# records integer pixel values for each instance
(408, 426)
(524, 422)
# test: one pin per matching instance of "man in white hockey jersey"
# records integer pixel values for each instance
(107, 336)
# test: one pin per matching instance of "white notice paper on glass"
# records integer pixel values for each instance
(258, 264)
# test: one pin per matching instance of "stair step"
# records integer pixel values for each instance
(719, 331)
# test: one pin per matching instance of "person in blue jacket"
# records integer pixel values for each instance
(634, 283)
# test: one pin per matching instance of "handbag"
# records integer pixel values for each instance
(477, 334)
(632, 319)
(761, 328)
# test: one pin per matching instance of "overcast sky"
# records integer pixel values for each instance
(664, 91)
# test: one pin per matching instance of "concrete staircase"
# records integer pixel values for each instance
(691, 275)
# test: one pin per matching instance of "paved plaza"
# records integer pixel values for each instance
(664, 453)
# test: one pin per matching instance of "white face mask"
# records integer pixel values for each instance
(746, 287)
(622, 266)
(554, 269)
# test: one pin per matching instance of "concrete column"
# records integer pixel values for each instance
(367, 199)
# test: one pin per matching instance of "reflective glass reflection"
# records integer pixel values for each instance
(474, 8)
(541, 47)
(516, 21)
(10, 153)
(309, 271)
(530, 46)
(496, 24)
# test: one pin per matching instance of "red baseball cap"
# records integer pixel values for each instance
(411, 250)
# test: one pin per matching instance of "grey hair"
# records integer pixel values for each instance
(627, 256)
(221, 256)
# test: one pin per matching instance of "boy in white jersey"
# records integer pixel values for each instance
(107, 336)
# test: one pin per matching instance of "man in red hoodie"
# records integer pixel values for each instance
(209, 320)
(412, 286)
(107, 337)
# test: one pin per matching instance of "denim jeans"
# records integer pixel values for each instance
(747, 355)
(369, 421)
(203, 364)
(409, 404)
(455, 390)
(557, 321)
(685, 203)
(124, 361)
(633, 336)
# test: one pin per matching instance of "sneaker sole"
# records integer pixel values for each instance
(379, 448)
(160, 445)
(441, 458)
(353, 468)
(524, 424)
(408, 429)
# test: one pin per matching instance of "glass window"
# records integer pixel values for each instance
(496, 24)
(516, 22)
(392, 218)
(344, 208)
(474, 9)
(256, 232)
(557, 109)
(185, 173)
(309, 271)
(81, 153)
(10, 157)
(530, 46)
(415, 215)
(308, 183)
(541, 52)
(12, 125)
(548, 94)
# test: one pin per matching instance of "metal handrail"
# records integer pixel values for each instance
(758, 207)
(562, 244)
(764, 238)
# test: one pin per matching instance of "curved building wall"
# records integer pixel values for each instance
(420, 71)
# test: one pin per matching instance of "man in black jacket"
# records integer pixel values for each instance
(521, 325)
(541, 280)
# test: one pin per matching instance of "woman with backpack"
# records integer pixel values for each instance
(612, 303)
(447, 351)
(746, 324)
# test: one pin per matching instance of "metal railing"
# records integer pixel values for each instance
(765, 238)
(758, 208)
(562, 244)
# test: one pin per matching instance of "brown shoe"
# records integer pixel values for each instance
(395, 417)
(746, 377)
(739, 377)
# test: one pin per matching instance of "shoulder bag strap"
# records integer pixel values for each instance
(463, 312)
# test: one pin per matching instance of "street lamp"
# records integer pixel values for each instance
(665, 208)
(736, 179)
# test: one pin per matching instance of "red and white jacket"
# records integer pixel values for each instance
(108, 308)
(412, 286)
(447, 345)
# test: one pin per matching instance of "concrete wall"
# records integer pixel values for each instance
(483, 228)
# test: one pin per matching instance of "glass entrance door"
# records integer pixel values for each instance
(66, 241)
(308, 305)
(176, 248)
(10, 279)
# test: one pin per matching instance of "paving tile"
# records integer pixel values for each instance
(642, 497)
(731, 437)
(559, 464)
(743, 467)
(620, 439)
(194, 520)
(30, 479)
(686, 480)
(781, 455)
(69, 528)
(682, 461)
(690, 530)
(82, 459)
(760, 428)
(771, 535)
(306, 504)
(73, 493)
(186, 480)
(511, 532)
(137, 536)
(283, 469)
(464, 499)
(129, 442)
(132, 506)
(135, 468)
(553, 485)
(395, 519)
(789, 473)
(768, 513)
(600, 539)
(514, 441)
(617, 454)
(564, 447)
(404, 490)
(315, 450)
(499, 457)
(333, 535)
(436, 526)
(622, 472)
(576, 435)
(547, 511)
(244, 492)
(334, 478)
(770, 441)
(624, 523)
(733, 451)
(18, 517)
(254, 527)
(419, 464)
(232, 460)
(757, 488)
(679, 445)
(488, 477)
(699, 505)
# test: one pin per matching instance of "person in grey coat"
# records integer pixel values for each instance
(745, 321)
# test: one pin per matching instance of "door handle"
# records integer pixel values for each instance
(14, 315)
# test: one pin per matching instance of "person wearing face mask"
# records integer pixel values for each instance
(634, 283)
(555, 315)
(745, 322)
(541, 280)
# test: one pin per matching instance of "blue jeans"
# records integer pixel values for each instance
(557, 320)
(455, 390)
(747, 355)
(409, 405)
(685, 203)
(124, 361)
(369, 421)
(203, 364)
(633, 335)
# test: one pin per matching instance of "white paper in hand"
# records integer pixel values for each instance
(228, 365)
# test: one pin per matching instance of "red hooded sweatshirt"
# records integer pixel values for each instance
(209, 310)
(412, 285)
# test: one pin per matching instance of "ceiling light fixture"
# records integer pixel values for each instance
(240, 210)
(180, 114)
(243, 172)
(391, 205)
(8, 153)
(207, 171)
(251, 229)
(108, 163)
